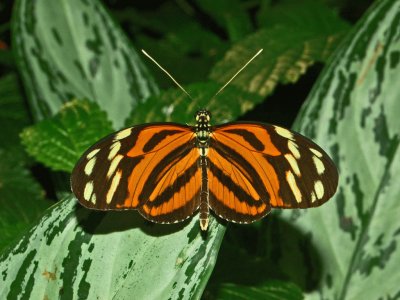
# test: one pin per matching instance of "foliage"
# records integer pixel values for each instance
(21, 197)
(59, 142)
(74, 50)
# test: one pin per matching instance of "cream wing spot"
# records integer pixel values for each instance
(113, 187)
(319, 165)
(114, 150)
(319, 189)
(313, 197)
(293, 186)
(316, 152)
(123, 134)
(87, 192)
(294, 149)
(114, 164)
(89, 166)
(92, 153)
(293, 164)
(93, 198)
(284, 132)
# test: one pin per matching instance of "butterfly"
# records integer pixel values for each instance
(238, 170)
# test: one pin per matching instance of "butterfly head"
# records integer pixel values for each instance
(203, 116)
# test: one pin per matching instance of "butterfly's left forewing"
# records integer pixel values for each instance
(255, 166)
(151, 167)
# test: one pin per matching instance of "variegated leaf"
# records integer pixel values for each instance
(356, 105)
(72, 49)
(75, 253)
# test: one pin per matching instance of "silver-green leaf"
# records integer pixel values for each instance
(72, 49)
(75, 253)
(357, 233)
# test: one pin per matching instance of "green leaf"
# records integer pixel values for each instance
(175, 105)
(13, 113)
(304, 35)
(189, 48)
(21, 199)
(355, 105)
(178, 41)
(270, 290)
(6, 57)
(230, 15)
(72, 49)
(112, 255)
(60, 141)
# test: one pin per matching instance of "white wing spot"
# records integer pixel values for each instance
(319, 189)
(284, 132)
(319, 165)
(114, 164)
(92, 153)
(87, 193)
(123, 134)
(113, 187)
(316, 152)
(89, 166)
(293, 164)
(114, 150)
(293, 185)
(294, 149)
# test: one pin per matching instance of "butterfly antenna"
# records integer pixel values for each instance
(237, 73)
(166, 72)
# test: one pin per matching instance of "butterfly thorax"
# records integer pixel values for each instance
(202, 130)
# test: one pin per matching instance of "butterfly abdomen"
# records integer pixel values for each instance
(204, 194)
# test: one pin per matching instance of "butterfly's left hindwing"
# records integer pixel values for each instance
(151, 167)
(255, 166)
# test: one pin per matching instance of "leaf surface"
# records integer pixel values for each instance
(304, 35)
(73, 49)
(60, 141)
(356, 234)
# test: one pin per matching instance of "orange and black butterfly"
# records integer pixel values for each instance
(169, 171)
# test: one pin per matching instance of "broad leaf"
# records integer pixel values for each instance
(76, 253)
(72, 49)
(356, 105)
(304, 35)
(59, 142)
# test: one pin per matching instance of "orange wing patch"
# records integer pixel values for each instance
(175, 194)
